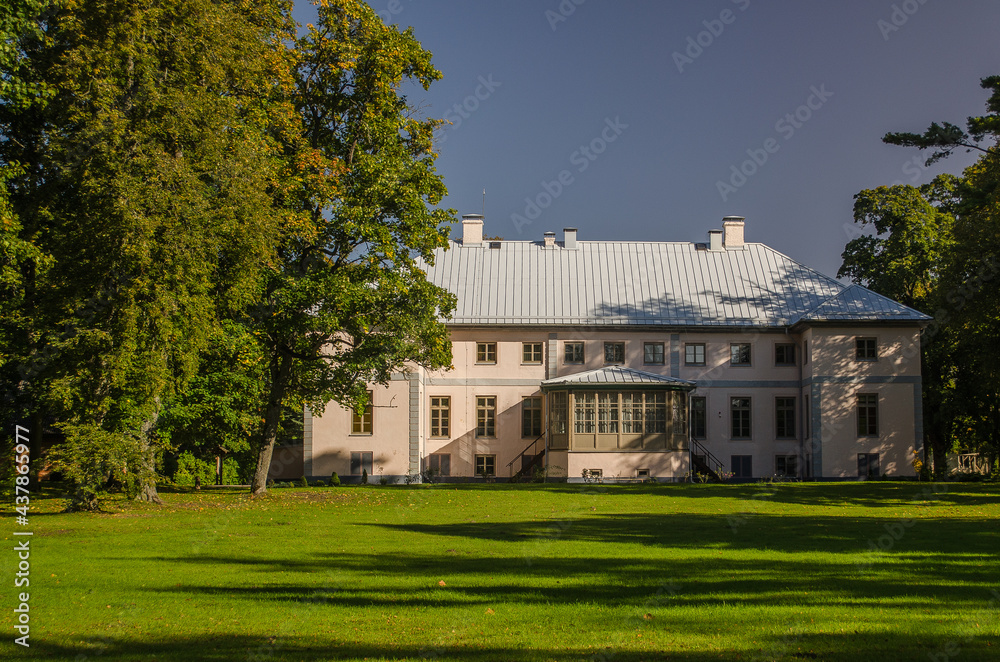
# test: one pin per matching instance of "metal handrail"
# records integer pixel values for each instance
(697, 446)
(521, 454)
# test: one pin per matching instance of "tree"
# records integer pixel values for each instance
(937, 248)
(148, 178)
(347, 303)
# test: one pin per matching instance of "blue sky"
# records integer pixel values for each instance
(650, 121)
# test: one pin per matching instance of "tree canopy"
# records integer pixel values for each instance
(937, 247)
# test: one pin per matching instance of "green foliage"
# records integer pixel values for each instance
(364, 476)
(303, 482)
(937, 248)
(188, 467)
(348, 304)
(94, 461)
(334, 480)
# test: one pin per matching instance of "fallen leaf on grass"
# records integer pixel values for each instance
(441, 583)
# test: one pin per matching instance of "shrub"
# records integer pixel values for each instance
(334, 480)
(364, 476)
(319, 483)
(303, 482)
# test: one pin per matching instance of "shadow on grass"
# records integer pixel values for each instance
(795, 644)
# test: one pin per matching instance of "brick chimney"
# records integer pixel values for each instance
(472, 229)
(732, 226)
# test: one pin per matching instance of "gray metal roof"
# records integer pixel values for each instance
(647, 283)
(618, 375)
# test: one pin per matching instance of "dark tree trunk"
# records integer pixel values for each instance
(272, 421)
(147, 473)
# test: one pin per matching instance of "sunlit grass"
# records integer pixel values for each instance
(875, 571)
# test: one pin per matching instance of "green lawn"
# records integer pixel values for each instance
(497, 572)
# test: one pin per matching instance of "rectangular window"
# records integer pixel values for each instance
(439, 464)
(614, 352)
(740, 410)
(486, 416)
(867, 415)
(805, 351)
(868, 465)
(652, 353)
(739, 353)
(741, 466)
(531, 417)
(694, 353)
(574, 352)
(560, 412)
(656, 412)
(361, 462)
(784, 418)
(486, 352)
(786, 465)
(699, 417)
(361, 422)
(531, 352)
(807, 417)
(642, 473)
(440, 416)
(632, 413)
(486, 465)
(607, 413)
(866, 349)
(784, 354)
(585, 413)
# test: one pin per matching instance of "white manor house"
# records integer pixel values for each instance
(641, 360)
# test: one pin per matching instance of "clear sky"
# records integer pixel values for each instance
(651, 120)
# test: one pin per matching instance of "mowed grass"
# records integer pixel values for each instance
(858, 571)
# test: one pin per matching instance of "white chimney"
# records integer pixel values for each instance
(715, 240)
(733, 227)
(550, 239)
(472, 229)
(569, 238)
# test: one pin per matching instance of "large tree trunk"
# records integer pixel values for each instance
(272, 420)
(147, 473)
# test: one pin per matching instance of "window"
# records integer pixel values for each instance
(784, 354)
(361, 462)
(486, 416)
(739, 353)
(694, 353)
(585, 410)
(486, 352)
(531, 352)
(361, 422)
(656, 412)
(699, 418)
(740, 409)
(632, 413)
(531, 417)
(574, 352)
(439, 464)
(786, 465)
(607, 413)
(652, 353)
(486, 465)
(614, 352)
(741, 466)
(560, 412)
(642, 473)
(867, 415)
(805, 351)
(784, 418)
(866, 349)
(868, 465)
(807, 417)
(440, 416)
